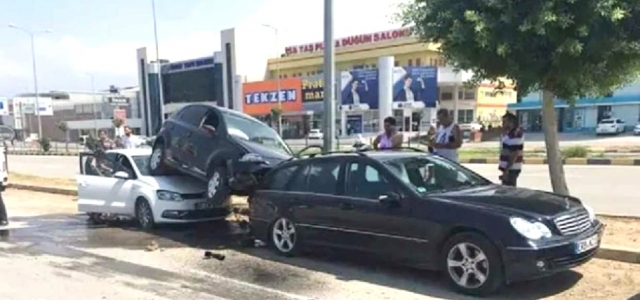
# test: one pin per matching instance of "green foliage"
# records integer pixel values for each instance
(92, 143)
(45, 144)
(568, 47)
(117, 122)
(575, 152)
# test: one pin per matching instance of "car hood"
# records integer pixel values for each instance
(520, 200)
(272, 156)
(178, 184)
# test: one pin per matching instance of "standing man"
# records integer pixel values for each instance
(390, 138)
(105, 143)
(448, 138)
(511, 150)
(130, 140)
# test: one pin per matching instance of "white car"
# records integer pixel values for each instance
(118, 183)
(315, 134)
(610, 126)
(636, 130)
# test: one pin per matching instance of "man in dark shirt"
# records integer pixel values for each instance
(512, 147)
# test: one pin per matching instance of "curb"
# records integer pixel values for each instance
(566, 161)
(620, 254)
(40, 153)
(43, 189)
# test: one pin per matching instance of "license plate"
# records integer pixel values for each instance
(204, 205)
(587, 244)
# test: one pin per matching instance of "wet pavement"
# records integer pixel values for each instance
(62, 256)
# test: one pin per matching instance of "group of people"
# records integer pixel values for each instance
(446, 138)
(127, 141)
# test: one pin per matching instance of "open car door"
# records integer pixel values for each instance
(95, 182)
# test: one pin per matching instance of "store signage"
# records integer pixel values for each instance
(355, 40)
(118, 100)
(288, 95)
(312, 90)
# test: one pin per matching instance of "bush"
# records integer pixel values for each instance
(575, 152)
(45, 144)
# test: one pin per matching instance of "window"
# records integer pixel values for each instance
(323, 177)
(488, 94)
(428, 174)
(396, 63)
(100, 165)
(250, 129)
(299, 183)
(418, 62)
(124, 164)
(469, 95)
(142, 162)
(365, 181)
(193, 115)
(410, 64)
(279, 180)
(465, 116)
(446, 96)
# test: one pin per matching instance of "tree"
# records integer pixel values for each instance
(64, 128)
(564, 48)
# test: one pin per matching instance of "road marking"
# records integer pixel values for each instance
(250, 285)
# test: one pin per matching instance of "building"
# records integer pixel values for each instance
(83, 112)
(585, 113)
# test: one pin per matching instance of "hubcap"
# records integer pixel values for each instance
(144, 214)
(155, 158)
(284, 235)
(214, 182)
(468, 265)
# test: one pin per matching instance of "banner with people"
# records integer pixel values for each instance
(415, 87)
(359, 89)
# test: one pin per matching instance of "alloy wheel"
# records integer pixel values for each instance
(213, 184)
(145, 216)
(284, 235)
(468, 265)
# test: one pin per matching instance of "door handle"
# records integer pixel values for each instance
(346, 206)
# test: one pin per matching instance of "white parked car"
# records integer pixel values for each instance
(315, 134)
(636, 130)
(118, 183)
(610, 126)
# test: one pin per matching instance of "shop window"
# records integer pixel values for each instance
(446, 96)
(469, 95)
(418, 62)
(410, 63)
(465, 116)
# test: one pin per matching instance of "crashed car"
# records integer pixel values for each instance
(117, 183)
(229, 150)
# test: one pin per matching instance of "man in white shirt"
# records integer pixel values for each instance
(130, 140)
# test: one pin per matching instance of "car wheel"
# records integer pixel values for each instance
(472, 264)
(217, 185)
(144, 215)
(284, 238)
(156, 161)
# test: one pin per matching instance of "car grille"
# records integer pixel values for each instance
(191, 196)
(573, 223)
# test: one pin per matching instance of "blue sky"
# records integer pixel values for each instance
(100, 37)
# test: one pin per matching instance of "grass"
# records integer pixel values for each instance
(41, 181)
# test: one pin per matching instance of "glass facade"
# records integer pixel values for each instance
(197, 85)
(155, 111)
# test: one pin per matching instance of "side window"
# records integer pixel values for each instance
(100, 165)
(193, 115)
(365, 181)
(299, 183)
(125, 164)
(323, 177)
(279, 180)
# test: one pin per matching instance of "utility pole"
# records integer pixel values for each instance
(329, 79)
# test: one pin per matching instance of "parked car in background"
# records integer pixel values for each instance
(636, 130)
(118, 183)
(611, 126)
(315, 134)
(228, 150)
(423, 211)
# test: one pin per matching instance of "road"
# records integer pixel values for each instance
(51, 253)
(609, 189)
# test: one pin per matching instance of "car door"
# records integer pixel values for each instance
(373, 225)
(205, 140)
(314, 205)
(95, 183)
(190, 120)
(122, 189)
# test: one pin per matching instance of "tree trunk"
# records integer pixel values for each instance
(554, 156)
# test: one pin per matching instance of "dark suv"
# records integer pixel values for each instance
(228, 149)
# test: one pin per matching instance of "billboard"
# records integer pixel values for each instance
(313, 89)
(262, 96)
(359, 89)
(415, 87)
(28, 105)
(4, 106)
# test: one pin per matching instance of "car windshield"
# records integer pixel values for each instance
(434, 174)
(255, 131)
(606, 122)
(142, 162)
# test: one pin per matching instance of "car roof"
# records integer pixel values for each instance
(225, 110)
(132, 151)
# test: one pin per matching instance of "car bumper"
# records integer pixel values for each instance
(636, 131)
(186, 216)
(530, 263)
(606, 130)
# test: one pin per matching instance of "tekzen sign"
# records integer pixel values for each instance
(352, 41)
(287, 95)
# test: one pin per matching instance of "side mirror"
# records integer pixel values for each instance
(390, 199)
(121, 175)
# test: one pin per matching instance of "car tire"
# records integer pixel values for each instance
(156, 160)
(144, 214)
(284, 238)
(96, 218)
(218, 190)
(472, 264)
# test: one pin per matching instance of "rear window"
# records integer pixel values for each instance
(606, 122)
(315, 130)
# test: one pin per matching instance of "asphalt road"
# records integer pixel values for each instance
(51, 253)
(609, 189)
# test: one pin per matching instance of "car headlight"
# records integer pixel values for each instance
(252, 157)
(169, 196)
(590, 211)
(530, 230)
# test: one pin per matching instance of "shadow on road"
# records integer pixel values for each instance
(64, 236)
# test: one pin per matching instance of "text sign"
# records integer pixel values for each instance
(271, 97)
(352, 41)
(312, 90)
(118, 100)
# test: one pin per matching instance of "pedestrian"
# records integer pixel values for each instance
(4, 219)
(512, 139)
(390, 138)
(448, 137)
(130, 140)
(105, 143)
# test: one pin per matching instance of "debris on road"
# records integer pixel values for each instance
(210, 255)
(152, 246)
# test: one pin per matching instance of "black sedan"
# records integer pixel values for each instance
(423, 211)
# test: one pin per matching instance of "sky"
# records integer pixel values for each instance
(98, 38)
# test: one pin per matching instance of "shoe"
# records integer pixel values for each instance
(4, 223)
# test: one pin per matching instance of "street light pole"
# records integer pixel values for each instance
(32, 34)
(155, 33)
(95, 112)
(277, 78)
(329, 78)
